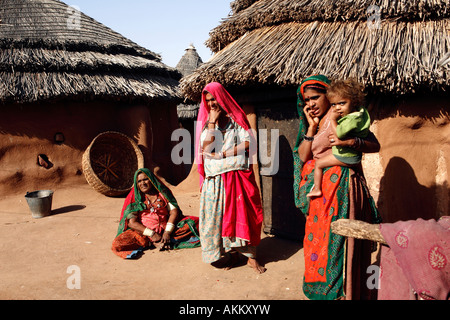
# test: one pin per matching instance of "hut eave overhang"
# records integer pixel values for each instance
(250, 15)
(399, 57)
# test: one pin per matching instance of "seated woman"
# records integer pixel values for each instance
(150, 216)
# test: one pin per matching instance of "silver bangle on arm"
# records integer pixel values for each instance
(148, 232)
(169, 227)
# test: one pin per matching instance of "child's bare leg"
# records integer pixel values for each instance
(316, 191)
(325, 162)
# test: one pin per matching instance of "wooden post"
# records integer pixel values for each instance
(358, 229)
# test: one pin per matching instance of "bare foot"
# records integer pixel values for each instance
(314, 193)
(253, 263)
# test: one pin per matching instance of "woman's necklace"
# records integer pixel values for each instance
(151, 203)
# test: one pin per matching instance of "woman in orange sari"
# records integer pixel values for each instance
(334, 269)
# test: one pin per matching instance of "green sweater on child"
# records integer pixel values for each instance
(355, 124)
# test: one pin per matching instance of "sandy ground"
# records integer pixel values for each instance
(36, 255)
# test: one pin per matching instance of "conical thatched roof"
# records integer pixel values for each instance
(283, 41)
(190, 62)
(49, 50)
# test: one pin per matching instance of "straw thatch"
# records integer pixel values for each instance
(280, 42)
(239, 5)
(188, 111)
(49, 50)
(190, 62)
(265, 13)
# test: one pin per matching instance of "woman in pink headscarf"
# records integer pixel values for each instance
(230, 204)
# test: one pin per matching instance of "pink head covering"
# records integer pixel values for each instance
(231, 107)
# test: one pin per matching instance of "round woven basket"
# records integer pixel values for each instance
(109, 163)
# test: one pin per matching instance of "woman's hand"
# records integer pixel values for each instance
(156, 238)
(165, 242)
(335, 141)
(214, 114)
(213, 155)
(313, 120)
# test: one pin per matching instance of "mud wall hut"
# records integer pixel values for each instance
(398, 49)
(64, 79)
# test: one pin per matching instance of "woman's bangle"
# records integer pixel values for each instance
(148, 232)
(209, 122)
(358, 143)
(169, 227)
(308, 138)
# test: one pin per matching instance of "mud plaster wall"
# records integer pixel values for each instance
(28, 130)
(409, 177)
(164, 121)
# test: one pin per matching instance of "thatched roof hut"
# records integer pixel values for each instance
(304, 37)
(188, 63)
(49, 50)
(65, 78)
(398, 49)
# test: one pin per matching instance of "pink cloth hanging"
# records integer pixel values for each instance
(420, 251)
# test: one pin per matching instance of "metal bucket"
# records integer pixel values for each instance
(40, 203)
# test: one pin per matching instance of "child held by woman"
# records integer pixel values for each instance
(349, 119)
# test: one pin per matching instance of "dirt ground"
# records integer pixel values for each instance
(37, 255)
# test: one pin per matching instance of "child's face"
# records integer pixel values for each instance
(341, 105)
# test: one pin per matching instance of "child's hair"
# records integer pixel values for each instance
(350, 89)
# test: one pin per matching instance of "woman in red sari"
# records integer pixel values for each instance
(334, 268)
(230, 204)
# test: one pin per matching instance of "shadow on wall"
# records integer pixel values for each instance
(402, 197)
